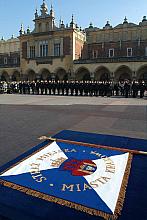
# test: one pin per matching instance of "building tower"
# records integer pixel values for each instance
(45, 21)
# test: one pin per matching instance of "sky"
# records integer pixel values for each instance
(15, 12)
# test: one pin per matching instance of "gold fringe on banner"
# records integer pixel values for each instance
(69, 204)
(124, 184)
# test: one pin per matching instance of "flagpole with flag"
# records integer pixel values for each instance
(94, 145)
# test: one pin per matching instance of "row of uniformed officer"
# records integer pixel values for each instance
(86, 88)
(76, 88)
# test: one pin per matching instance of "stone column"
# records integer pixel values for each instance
(134, 75)
(10, 78)
(53, 76)
(38, 76)
(112, 76)
(92, 76)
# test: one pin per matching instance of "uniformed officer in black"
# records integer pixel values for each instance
(134, 89)
(71, 86)
(58, 87)
(37, 87)
(102, 89)
(42, 87)
(20, 87)
(142, 89)
(126, 88)
(49, 87)
(86, 88)
(46, 87)
(66, 84)
(76, 87)
(54, 87)
(121, 88)
(62, 87)
(28, 87)
(116, 89)
(81, 88)
(32, 86)
(108, 89)
(24, 87)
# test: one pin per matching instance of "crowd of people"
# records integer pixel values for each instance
(76, 88)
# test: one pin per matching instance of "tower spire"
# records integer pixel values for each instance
(125, 20)
(36, 13)
(144, 19)
(52, 11)
(44, 9)
(72, 22)
(21, 30)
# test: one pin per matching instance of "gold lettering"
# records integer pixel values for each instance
(110, 169)
(106, 179)
(68, 187)
(94, 185)
(86, 187)
(44, 156)
(34, 172)
(35, 177)
(101, 180)
(103, 156)
(108, 160)
(58, 162)
(34, 165)
(96, 153)
(70, 151)
(110, 166)
(78, 187)
(54, 152)
(42, 178)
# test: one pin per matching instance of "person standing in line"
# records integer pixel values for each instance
(142, 89)
(126, 88)
(134, 89)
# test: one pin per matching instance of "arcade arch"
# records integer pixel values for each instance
(142, 73)
(31, 75)
(5, 77)
(61, 74)
(102, 74)
(45, 74)
(82, 74)
(16, 76)
(123, 73)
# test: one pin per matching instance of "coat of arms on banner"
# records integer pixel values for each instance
(89, 179)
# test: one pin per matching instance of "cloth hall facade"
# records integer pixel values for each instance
(66, 52)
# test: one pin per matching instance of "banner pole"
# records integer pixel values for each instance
(94, 145)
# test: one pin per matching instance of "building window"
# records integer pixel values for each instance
(57, 50)
(111, 52)
(47, 26)
(94, 54)
(32, 52)
(5, 60)
(43, 48)
(15, 60)
(40, 27)
(129, 52)
(145, 51)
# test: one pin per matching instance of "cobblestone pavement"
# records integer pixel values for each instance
(25, 118)
(68, 100)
